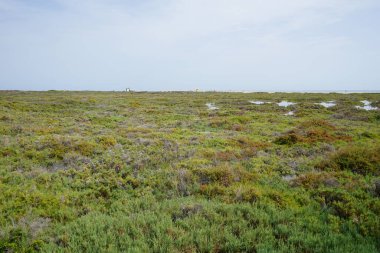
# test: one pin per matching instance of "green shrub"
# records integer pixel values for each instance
(312, 131)
(288, 139)
(359, 160)
(107, 141)
(222, 175)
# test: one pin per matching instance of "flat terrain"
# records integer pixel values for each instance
(188, 172)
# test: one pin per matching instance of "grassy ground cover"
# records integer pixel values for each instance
(160, 172)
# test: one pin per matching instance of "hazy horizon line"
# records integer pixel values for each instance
(348, 91)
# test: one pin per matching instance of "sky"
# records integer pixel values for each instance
(252, 45)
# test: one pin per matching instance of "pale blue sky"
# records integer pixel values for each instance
(189, 44)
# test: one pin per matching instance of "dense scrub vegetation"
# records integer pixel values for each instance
(159, 172)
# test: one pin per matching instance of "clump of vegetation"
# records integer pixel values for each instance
(222, 175)
(107, 141)
(288, 138)
(314, 180)
(312, 131)
(361, 160)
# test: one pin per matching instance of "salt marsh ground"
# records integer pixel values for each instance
(189, 172)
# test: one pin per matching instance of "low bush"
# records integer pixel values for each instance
(313, 180)
(107, 141)
(359, 160)
(312, 131)
(222, 175)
